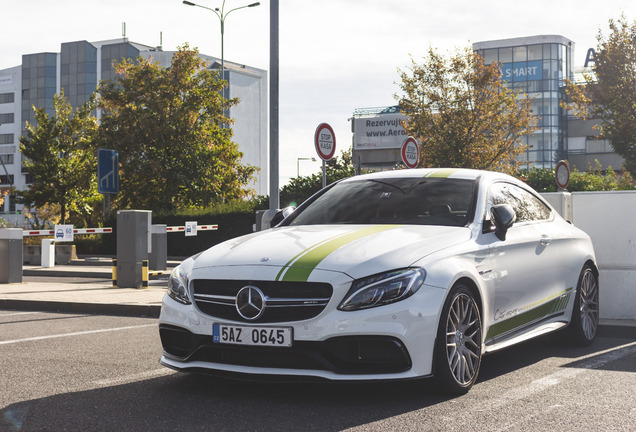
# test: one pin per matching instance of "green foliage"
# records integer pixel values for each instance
(234, 218)
(594, 179)
(609, 94)
(300, 188)
(61, 157)
(463, 114)
(173, 139)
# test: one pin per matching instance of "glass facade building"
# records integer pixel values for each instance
(39, 83)
(78, 71)
(537, 66)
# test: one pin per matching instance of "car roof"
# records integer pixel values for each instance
(454, 173)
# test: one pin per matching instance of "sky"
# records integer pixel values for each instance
(335, 55)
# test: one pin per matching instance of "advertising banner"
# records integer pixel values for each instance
(379, 132)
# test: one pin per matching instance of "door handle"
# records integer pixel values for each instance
(545, 240)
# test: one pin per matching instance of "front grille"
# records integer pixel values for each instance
(341, 355)
(284, 301)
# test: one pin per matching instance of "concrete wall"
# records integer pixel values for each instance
(608, 218)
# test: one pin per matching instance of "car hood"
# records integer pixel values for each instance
(356, 250)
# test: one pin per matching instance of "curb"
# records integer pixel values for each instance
(617, 331)
(77, 274)
(148, 311)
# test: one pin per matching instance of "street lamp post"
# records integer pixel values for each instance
(221, 15)
(313, 159)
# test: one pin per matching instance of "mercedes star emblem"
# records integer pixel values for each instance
(250, 302)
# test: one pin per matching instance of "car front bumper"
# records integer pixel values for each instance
(394, 341)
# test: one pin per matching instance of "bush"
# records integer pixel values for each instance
(594, 179)
(234, 219)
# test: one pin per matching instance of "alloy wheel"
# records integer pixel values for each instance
(463, 339)
(589, 304)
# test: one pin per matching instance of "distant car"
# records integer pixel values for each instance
(392, 275)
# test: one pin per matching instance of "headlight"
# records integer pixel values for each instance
(178, 286)
(383, 289)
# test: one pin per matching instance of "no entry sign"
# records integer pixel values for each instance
(410, 153)
(325, 141)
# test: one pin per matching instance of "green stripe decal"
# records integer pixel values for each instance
(300, 267)
(554, 304)
(442, 173)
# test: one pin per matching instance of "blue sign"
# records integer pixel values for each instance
(522, 71)
(107, 171)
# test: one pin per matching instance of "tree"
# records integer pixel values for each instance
(62, 158)
(173, 139)
(301, 188)
(463, 114)
(610, 92)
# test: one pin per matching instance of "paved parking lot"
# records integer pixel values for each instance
(95, 372)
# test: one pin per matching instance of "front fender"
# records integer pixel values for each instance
(475, 267)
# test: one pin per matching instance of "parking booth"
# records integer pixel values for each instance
(133, 246)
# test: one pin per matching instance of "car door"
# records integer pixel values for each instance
(525, 266)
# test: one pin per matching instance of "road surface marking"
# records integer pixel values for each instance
(592, 361)
(38, 338)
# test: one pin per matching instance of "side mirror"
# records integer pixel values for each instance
(503, 216)
(281, 215)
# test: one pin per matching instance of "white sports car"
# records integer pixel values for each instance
(393, 275)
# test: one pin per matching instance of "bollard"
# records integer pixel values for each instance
(144, 274)
(114, 273)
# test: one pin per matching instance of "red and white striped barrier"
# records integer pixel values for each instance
(28, 233)
(199, 228)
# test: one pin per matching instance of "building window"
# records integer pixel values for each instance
(7, 98)
(7, 118)
(6, 180)
(6, 138)
(6, 159)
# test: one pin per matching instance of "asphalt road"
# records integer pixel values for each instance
(63, 372)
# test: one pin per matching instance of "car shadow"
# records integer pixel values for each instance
(553, 345)
(195, 402)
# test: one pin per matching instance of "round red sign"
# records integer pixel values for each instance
(562, 174)
(410, 153)
(325, 141)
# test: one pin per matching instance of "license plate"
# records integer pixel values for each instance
(249, 335)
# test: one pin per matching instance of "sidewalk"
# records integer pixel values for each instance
(84, 288)
(87, 288)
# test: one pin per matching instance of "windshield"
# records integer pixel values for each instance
(419, 201)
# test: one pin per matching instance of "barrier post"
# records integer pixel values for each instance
(133, 246)
(10, 255)
(158, 257)
(48, 253)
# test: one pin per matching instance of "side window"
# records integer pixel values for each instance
(527, 207)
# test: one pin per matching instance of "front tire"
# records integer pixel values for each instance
(585, 314)
(458, 344)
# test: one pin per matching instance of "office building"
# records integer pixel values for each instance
(79, 67)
